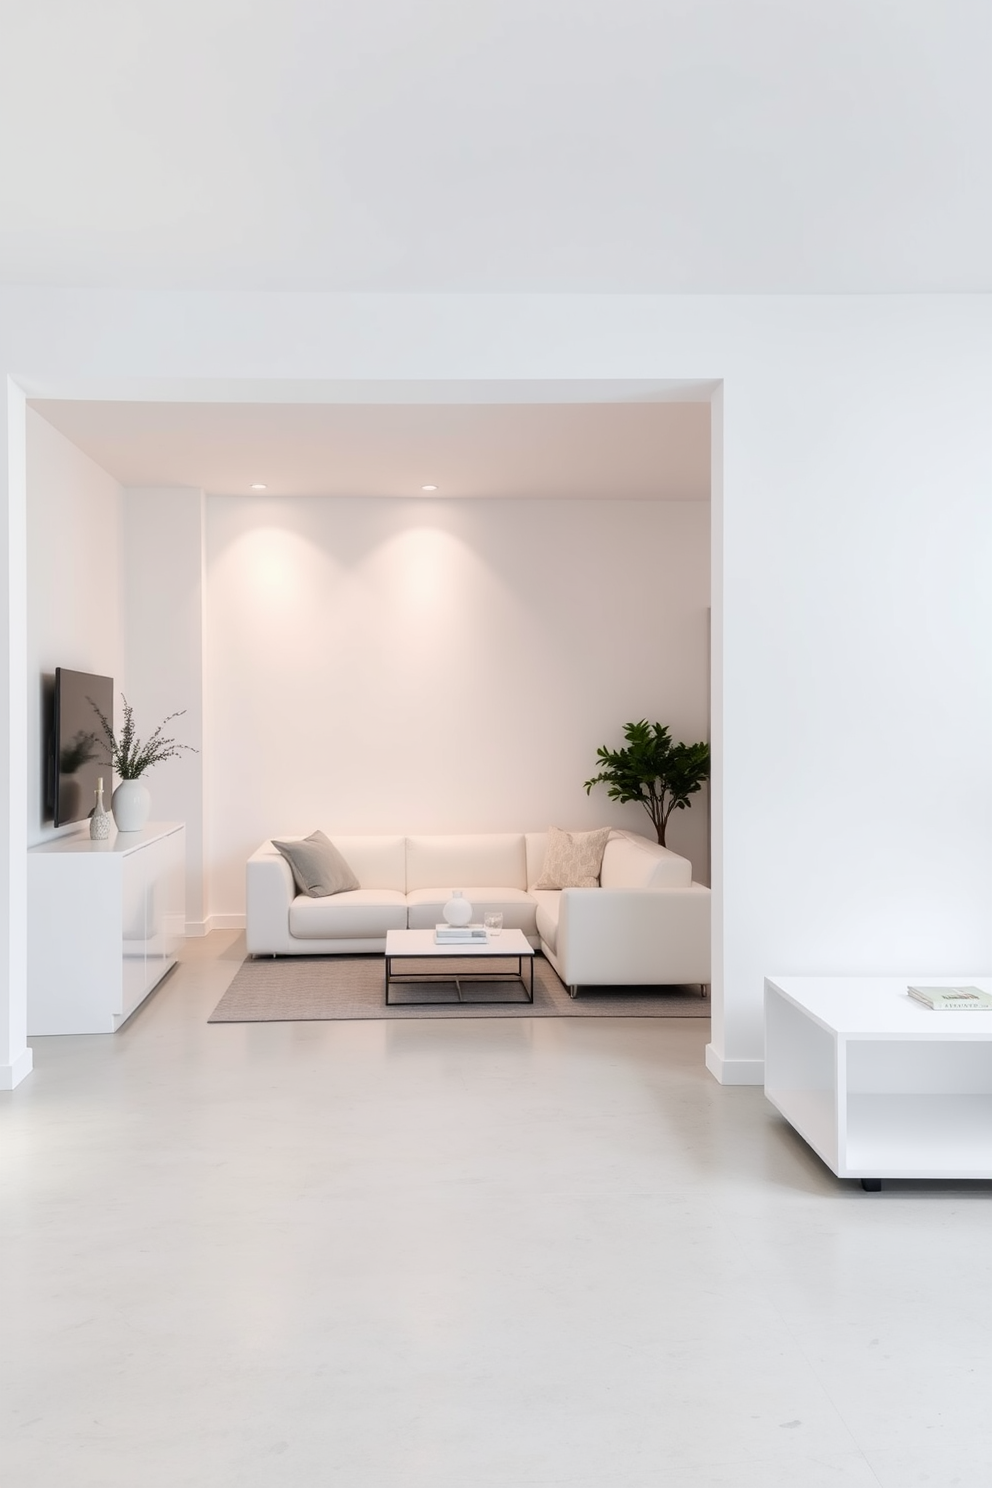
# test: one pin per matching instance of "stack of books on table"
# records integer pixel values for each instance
(953, 999)
(460, 934)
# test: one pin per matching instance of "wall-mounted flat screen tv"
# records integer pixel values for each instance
(80, 755)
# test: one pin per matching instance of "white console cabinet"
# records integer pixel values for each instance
(105, 923)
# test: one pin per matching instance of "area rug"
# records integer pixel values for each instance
(298, 988)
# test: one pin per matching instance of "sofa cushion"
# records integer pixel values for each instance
(535, 846)
(632, 862)
(358, 914)
(573, 859)
(493, 859)
(380, 862)
(318, 867)
(517, 906)
(548, 905)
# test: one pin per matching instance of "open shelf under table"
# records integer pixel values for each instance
(918, 1136)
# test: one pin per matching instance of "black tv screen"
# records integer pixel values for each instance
(80, 754)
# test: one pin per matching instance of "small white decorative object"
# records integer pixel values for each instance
(131, 804)
(99, 821)
(457, 911)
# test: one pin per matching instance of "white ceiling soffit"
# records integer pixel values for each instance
(369, 390)
(667, 146)
(639, 451)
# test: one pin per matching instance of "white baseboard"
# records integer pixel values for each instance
(11, 1075)
(734, 1071)
(215, 922)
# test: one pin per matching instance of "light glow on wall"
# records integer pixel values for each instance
(425, 565)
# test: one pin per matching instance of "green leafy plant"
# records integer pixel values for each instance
(654, 771)
(129, 755)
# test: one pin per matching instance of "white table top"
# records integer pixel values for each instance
(117, 843)
(865, 1007)
(422, 943)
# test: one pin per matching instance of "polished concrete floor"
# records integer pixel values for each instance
(504, 1254)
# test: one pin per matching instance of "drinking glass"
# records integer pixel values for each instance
(494, 922)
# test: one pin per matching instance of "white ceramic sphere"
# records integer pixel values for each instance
(457, 911)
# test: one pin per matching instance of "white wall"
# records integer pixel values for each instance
(853, 823)
(163, 607)
(383, 666)
(855, 523)
(74, 605)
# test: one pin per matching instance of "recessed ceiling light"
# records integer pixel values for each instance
(428, 488)
(259, 487)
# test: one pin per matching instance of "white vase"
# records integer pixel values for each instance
(131, 803)
(457, 911)
(99, 821)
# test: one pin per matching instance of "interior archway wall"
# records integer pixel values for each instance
(852, 538)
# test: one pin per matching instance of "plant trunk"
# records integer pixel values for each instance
(658, 821)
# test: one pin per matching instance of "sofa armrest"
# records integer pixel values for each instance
(619, 937)
(633, 862)
(269, 892)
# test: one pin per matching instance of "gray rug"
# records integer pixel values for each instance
(298, 988)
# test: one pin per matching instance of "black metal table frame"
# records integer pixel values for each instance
(474, 978)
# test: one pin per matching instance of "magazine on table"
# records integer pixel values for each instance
(460, 934)
(952, 999)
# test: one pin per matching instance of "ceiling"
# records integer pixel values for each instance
(639, 451)
(498, 145)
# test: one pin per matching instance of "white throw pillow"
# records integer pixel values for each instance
(573, 859)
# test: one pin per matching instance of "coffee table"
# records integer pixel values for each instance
(420, 946)
(878, 1085)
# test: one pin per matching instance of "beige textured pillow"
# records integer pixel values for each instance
(573, 859)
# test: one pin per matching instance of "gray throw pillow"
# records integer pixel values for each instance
(318, 867)
(573, 859)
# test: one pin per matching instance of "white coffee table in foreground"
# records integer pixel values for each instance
(420, 946)
(878, 1085)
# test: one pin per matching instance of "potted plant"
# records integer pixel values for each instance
(652, 770)
(130, 758)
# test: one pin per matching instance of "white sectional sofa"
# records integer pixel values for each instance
(647, 923)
